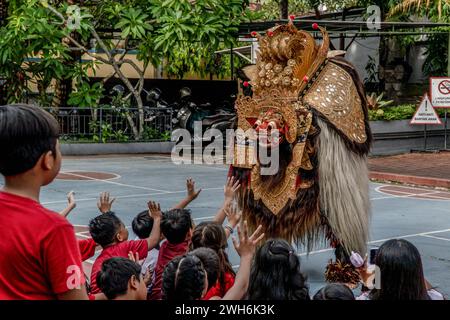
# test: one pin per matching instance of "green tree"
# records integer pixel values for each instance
(39, 43)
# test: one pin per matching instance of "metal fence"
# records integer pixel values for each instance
(113, 124)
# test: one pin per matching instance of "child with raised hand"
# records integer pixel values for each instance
(229, 191)
(108, 231)
(192, 194)
(176, 226)
(212, 235)
(185, 277)
(87, 246)
(142, 225)
(40, 256)
(71, 204)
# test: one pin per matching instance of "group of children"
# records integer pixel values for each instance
(171, 258)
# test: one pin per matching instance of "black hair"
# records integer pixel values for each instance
(115, 274)
(26, 133)
(210, 261)
(275, 273)
(183, 279)
(212, 235)
(334, 291)
(142, 225)
(104, 228)
(175, 225)
(401, 272)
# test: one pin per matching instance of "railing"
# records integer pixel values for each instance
(113, 124)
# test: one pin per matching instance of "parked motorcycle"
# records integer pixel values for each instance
(221, 118)
(159, 111)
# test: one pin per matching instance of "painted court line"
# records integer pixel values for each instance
(409, 195)
(429, 194)
(203, 189)
(130, 196)
(423, 234)
(113, 182)
(433, 237)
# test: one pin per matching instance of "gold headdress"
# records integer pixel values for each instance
(291, 77)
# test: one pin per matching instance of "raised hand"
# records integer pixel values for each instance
(71, 204)
(154, 210)
(134, 256)
(366, 275)
(148, 276)
(104, 203)
(230, 188)
(71, 200)
(233, 214)
(190, 187)
(247, 245)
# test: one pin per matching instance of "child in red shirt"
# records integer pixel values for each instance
(110, 233)
(39, 255)
(211, 234)
(176, 226)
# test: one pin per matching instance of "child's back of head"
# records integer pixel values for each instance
(106, 229)
(184, 278)
(210, 261)
(176, 225)
(334, 291)
(121, 277)
(210, 234)
(142, 225)
(27, 133)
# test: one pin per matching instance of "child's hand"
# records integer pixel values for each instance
(190, 186)
(133, 256)
(104, 203)
(233, 214)
(230, 188)
(247, 245)
(365, 275)
(148, 276)
(154, 210)
(71, 204)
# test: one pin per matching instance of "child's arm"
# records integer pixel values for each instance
(74, 294)
(191, 194)
(104, 202)
(71, 204)
(246, 249)
(229, 190)
(233, 217)
(154, 210)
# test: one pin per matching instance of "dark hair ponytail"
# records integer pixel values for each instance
(183, 279)
(286, 283)
(212, 235)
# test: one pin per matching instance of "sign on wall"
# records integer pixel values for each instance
(440, 92)
(425, 113)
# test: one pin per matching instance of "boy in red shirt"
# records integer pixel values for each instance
(176, 226)
(39, 255)
(108, 231)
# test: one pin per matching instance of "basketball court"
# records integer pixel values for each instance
(419, 215)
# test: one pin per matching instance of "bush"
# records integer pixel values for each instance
(401, 112)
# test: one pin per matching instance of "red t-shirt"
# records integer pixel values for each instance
(87, 248)
(39, 255)
(117, 250)
(167, 252)
(218, 290)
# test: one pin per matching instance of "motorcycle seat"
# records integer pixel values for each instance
(209, 120)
